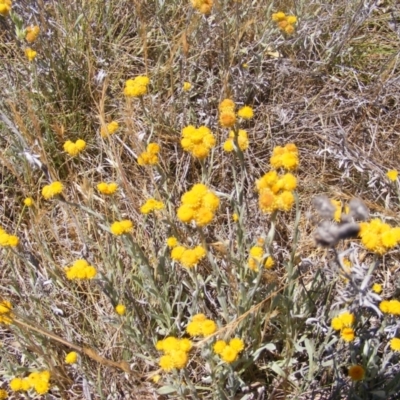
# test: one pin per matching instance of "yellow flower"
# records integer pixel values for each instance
(32, 32)
(204, 6)
(5, 307)
(242, 139)
(136, 87)
(347, 334)
(395, 344)
(156, 378)
(269, 262)
(15, 384)
(278, 16)
(5, 7)
(237, 344)
(291, 19)
(120, 309)
(347, 318)
(187, 86)
(121, 227)
(150, 156)
(30, 54)
(356, 372)
(285, 157)
(3, 394)
(384, 306)
(79, 270)
(226, 105)
(227, 119)
(377, 288)
(235, 217)
(42, 387)
(208, 327)
(71, 357)
(7, 240)
(109, 129)
(392, 174)
(229, 354)
(219, 346)
(49, 191)
(185, 345)
(107, 188)
(151, 205)
(197, 141)
(194, 328)
(74, 149)
(166, 363)
(246, 112)
(28, 202)
(394, 307)
(172, 242)
(177, 252)
(289, 29)
(337, 324)
(378, 236)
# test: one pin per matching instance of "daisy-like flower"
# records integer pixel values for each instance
(109, 129)
(107, 188)
(32, 32)
(28, 202)
(121, 227)
(395, 344)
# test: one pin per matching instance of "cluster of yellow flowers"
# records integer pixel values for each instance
(109, 129)
(30, 54)
(284, 22)
(31, 33)
(176, 353)
(285, 157)
(344, 323)
(227, 116)
(390, 307)
(189, 258)
(74, 149)
(198, 141)
(150, 156)
(49, 191)
(107, 188)
(255, 259)
(121, 227)
(199, 205)
(276, 192)
(71, 357)
(80, 269)
(5, 7)
(200, 325)
(242, 140)
(204, 6)
(378, 236)
(151, 205)
(5, 312)
(229, 352)
(136, 87)
(7, 240)
(38, 381)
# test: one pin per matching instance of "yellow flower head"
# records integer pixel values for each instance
(28, 202)
(278, 16)
(395, 344)
(242, 139)
(356, 373)
(197, 141)
(52, 190)
(229, 354)
(377, 288)
(347, 334)
(32, 32)
(121, 227)
(227, 119)
(285, 157)
(80, 270)
(237, 344)
(246, 112)
(136, 87)
(203, 6)
(120, 309)
(3, 394)
(187, 86)
(109, 129)
(172, 242)
(151, 205)
(107, 188)
(219, 346)
(71, 357)
(30, 54)
(74, 149)
(392, 175)
(150, 156)
(5, 7)
(16, 384)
